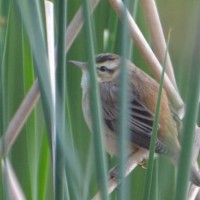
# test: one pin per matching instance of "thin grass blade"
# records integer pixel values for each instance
(149, 173)
(191, 112)
(96, 108)
(123, 104)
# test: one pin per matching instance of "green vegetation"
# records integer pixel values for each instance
(53, 155)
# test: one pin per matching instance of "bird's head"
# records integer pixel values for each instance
(107, 66)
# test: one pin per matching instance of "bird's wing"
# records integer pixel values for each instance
(140, 122)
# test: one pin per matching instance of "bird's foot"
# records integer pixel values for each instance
(113, 173)
(143, 164)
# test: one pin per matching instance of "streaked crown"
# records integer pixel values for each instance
(107, 66)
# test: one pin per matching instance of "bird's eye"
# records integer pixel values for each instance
(103, 68)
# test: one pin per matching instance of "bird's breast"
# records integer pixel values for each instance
(110, 139)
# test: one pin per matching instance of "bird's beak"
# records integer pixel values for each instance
(81, 65)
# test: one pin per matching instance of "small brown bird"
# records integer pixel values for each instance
(142, 102)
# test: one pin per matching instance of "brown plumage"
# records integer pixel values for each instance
(142, 92)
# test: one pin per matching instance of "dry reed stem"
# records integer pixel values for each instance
(24, 110)
(156, 68)
(157, 35)
(198, 196)
(193, 192)
(12, 185)
(74, 28)
(19, 119)
(158, 39)
(148, 54)
(13, 130)
(132, 163)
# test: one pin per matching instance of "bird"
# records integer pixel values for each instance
(142, 99)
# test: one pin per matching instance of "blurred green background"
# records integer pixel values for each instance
(30, 155)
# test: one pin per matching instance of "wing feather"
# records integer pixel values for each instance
(140, 120)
